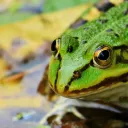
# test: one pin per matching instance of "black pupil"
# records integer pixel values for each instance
(104, 55)
(53, 46)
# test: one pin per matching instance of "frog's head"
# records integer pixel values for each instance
(92, 58)
(78, 68)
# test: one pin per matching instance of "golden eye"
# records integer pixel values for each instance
(55, 46)
(102, 57)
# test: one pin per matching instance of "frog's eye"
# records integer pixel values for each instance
(55, 46)
(102, 57)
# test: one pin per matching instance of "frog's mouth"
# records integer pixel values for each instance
(109, 82)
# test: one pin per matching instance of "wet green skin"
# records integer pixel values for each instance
(109, 83)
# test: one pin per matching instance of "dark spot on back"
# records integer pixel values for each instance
(70, 49)
(126, 25)
(76, 38)
(102, 21)
(116, 34)
(105, 7)
(126, 12)
(84, 41)
(109, 30)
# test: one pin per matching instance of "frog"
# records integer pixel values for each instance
(91, 62)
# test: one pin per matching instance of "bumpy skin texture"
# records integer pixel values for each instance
(111, 30)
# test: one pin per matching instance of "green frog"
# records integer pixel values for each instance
(91, 62)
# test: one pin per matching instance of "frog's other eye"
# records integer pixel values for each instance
(102, 57)
(55, 46)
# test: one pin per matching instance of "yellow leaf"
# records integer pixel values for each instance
(116, 2)
(2, 67)
(26, 102)
(8, 90)
(92, 14)
(39, 28)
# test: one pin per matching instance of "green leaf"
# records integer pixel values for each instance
(54, 5)
(8, 17)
